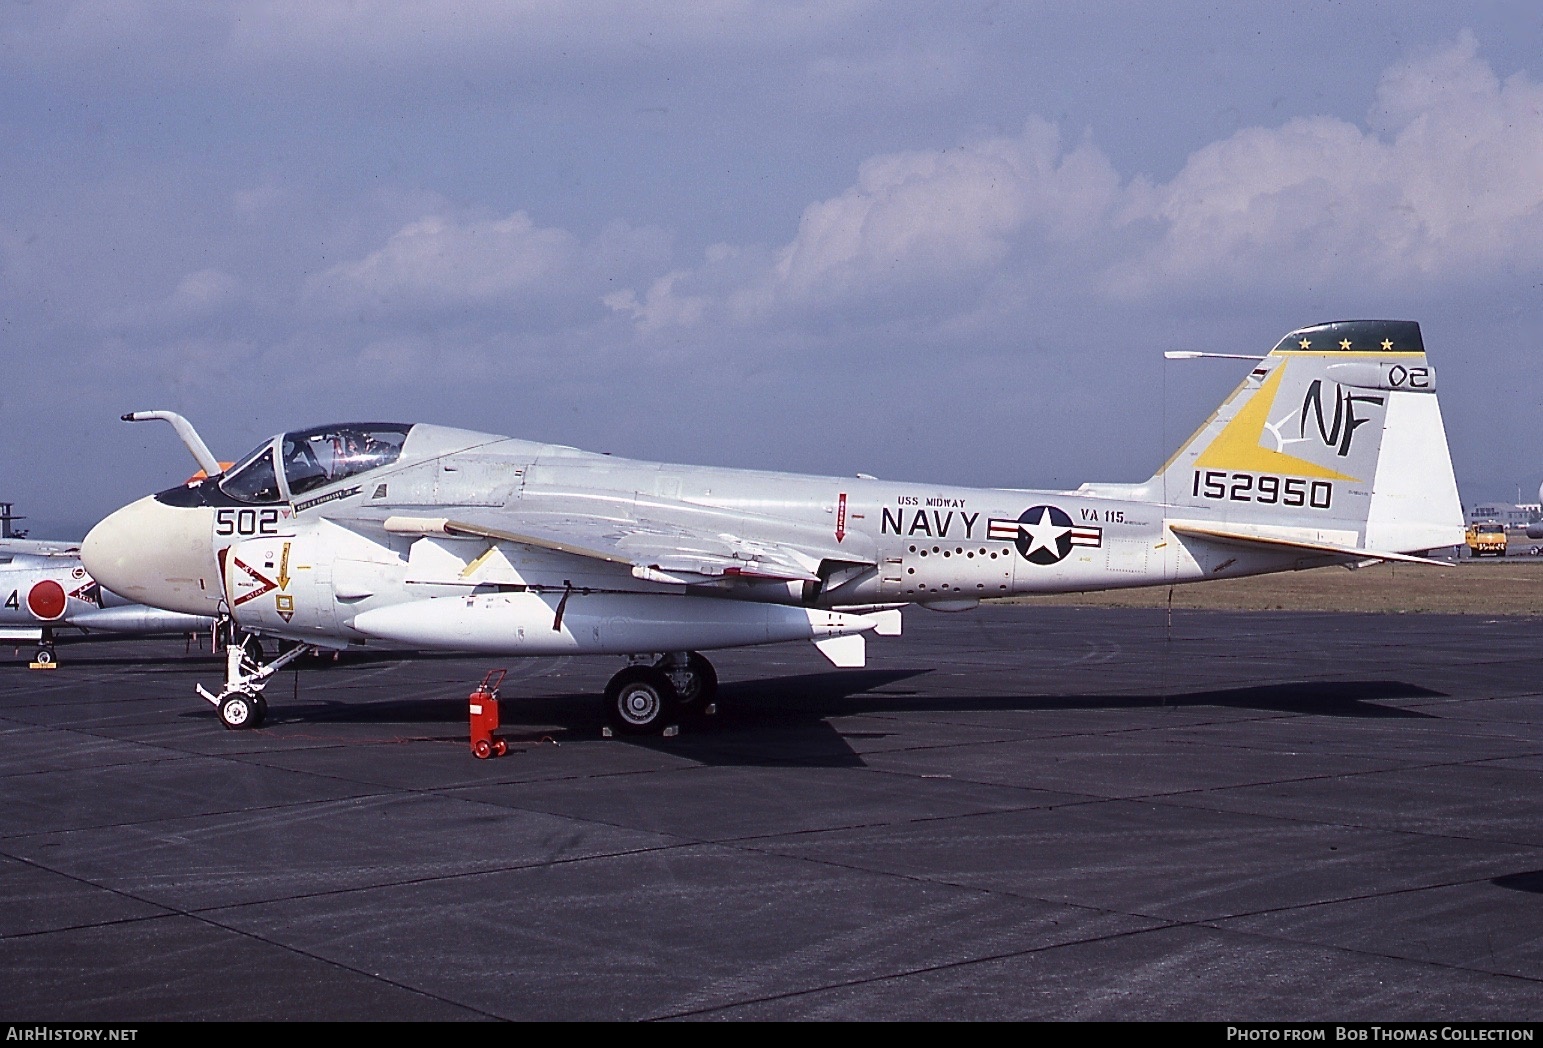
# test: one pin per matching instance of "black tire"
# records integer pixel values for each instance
(640, 700)
(253, 648)
(238, 712)
(43, 656)
(704, 681)
(259, 711)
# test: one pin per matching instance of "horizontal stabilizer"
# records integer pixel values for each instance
(1258, 538)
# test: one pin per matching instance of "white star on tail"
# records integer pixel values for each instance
(1044, 534)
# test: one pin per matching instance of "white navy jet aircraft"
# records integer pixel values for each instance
(1331, 450)
(46, 595)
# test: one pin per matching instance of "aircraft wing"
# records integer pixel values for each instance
(658, 550)
(1259, 538)
(39, 547)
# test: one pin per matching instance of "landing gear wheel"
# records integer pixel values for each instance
(253, 648)
(238, 711)
(259, 712)
(640, 700)
(697, 687)
(482, 749)
(43, 657)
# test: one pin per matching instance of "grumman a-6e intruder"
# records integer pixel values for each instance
(378, 534)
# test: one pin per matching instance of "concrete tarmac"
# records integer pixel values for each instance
(1013, 813)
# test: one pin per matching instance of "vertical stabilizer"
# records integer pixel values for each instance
(1336, 431)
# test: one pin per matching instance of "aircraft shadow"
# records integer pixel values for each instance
(787, 720)
(1350, 698)
(1531, 881)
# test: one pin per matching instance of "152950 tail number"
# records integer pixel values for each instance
(1262, 487)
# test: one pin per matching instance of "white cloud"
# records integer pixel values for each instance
(441, 263)
(1451, 187)
(944, 215)
(661, 307)
(1454, 187)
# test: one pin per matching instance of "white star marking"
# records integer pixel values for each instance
(1043, 535)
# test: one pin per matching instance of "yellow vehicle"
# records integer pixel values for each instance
(1486, 538)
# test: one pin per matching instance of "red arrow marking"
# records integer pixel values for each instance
(841, 516)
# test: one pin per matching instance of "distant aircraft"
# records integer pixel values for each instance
(45, 591)
(1332, 450)
(1535, 529)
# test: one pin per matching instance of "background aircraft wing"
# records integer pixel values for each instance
(39, 547)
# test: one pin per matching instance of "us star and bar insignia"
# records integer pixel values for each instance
(1043, 534)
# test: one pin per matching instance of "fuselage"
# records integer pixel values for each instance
(45, 587)
(335, 538)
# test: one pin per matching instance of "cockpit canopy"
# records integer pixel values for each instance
(313, 458)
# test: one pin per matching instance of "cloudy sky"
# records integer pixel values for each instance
(942, 242)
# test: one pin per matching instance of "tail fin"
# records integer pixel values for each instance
(1336, 434)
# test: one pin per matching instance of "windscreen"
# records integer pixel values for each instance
(254, 480)
(316, 457)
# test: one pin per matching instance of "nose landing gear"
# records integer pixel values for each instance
(240, 702)
(243, 711)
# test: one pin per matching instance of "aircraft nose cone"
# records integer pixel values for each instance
(156, 554)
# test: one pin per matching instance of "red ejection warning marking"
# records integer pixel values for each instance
(841, 516)
(264, 584)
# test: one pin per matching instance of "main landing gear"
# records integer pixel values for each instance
(647, 698)
(240, 703)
